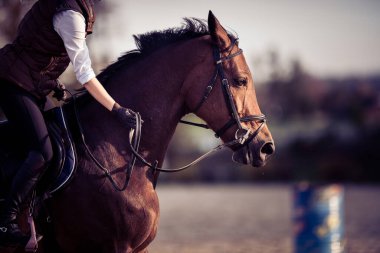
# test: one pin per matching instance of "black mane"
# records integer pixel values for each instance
(152, 41)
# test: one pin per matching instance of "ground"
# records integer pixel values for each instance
(253, 218)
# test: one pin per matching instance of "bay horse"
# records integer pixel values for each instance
(198, 68)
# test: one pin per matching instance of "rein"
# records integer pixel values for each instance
(242, 136)
(129, 168)
(154, 166)
(134, 143)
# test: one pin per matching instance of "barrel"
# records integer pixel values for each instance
(318, 218)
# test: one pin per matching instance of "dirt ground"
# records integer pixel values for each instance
(252, 218)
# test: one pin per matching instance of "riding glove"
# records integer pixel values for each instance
(59, 91)
(126, 116)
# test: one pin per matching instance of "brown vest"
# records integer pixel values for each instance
(37, 57)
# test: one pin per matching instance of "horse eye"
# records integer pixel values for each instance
(242, 81)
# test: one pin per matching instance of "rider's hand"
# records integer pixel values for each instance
(126, 116)
(59, 91)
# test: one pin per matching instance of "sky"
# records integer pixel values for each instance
(330, 38)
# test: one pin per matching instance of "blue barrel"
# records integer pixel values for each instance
(318, 218)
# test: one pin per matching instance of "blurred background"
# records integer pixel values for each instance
(316, 67)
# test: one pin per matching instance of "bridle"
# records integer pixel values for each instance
(243, 136)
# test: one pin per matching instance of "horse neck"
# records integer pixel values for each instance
(152, 87)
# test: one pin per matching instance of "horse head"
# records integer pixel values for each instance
(228, 103)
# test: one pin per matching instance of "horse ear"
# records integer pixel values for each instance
(218, 33)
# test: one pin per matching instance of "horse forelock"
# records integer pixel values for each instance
(150, 42)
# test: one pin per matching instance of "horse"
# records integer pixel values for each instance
(197, 68)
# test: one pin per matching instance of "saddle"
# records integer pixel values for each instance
(64, 161)
(63, 165)
(57, 175)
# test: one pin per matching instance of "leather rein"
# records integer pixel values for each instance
(242, 136)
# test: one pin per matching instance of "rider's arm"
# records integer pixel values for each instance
(71, 27)
(97, 90)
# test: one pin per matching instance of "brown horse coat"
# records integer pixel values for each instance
(163, 84)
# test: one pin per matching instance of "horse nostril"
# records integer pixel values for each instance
(268, 148)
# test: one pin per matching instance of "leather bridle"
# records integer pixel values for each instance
(243, 136)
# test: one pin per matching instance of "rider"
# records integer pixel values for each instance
(50, 36)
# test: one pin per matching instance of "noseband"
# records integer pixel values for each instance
(242, 135)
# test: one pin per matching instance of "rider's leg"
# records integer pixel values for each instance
(23, 111)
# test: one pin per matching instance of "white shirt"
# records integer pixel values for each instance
(71, 27)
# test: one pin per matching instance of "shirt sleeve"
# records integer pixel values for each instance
(71, 27)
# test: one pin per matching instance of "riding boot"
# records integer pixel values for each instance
(22, 186)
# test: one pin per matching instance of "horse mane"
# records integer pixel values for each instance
(152, 41)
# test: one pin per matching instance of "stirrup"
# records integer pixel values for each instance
(32, 244)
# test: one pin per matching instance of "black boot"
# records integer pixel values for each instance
(22, 186)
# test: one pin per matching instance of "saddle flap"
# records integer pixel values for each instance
(64, 161)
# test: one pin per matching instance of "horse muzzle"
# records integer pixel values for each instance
(255, 153)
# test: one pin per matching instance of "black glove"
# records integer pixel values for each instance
(126, 116)
(59, 91)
